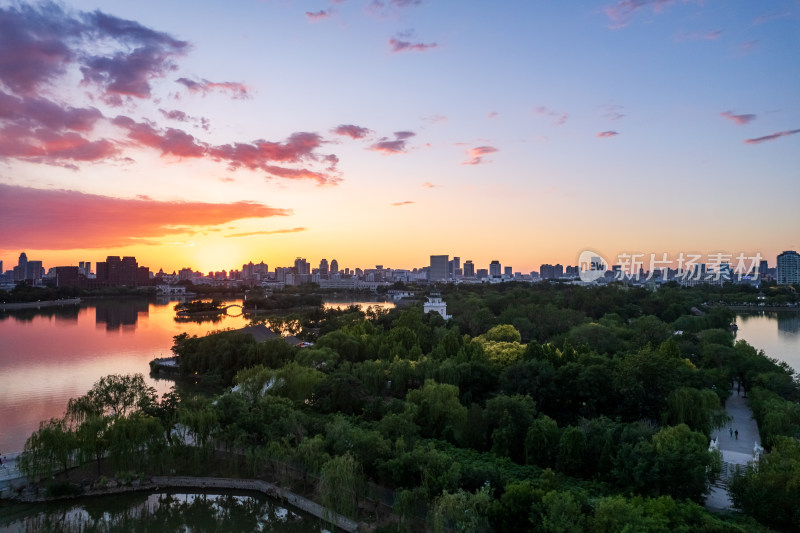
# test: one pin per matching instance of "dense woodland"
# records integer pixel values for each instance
(546, 407)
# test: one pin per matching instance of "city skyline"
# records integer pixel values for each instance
(384, 132)
(441, 268)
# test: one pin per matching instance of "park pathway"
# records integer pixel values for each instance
(736, 452)
(10, 476)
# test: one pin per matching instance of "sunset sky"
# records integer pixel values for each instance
(207, 134)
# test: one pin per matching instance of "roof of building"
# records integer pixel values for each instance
(260, 332)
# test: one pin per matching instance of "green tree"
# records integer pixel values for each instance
(562, 513)
(542, 441)
(115, 394)
(462, 511)
(698, 409)
(770, 490)
(342, 485)
(508, 419)
(436, 409)
(48, 450)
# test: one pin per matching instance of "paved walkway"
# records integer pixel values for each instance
(10, 475)
(735, 451)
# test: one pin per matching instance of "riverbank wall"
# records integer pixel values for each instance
(38, 305)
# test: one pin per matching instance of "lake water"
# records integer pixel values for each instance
(50, 355)
(775, 332)
(163, 511)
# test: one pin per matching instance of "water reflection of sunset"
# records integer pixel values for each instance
(50, 357)
(777, 333)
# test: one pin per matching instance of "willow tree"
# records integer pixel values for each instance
(341, 485)
(51, 448)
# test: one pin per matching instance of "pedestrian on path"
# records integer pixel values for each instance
(737, 434)
(731, 431)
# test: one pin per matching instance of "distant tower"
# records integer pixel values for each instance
(22, 266)
(495, 269)
(323, 269)
(788, 272)
(301, 266)
(469, 269)
(438, 268)
(334, 269)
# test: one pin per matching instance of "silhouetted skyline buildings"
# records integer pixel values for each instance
(118, 271)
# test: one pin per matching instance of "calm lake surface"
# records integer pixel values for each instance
(50, 355)
(775, 332)
(163, 512)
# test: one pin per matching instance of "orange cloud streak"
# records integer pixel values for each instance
(63, 220)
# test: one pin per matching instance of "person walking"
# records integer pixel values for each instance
(730, 430)
(737, 434)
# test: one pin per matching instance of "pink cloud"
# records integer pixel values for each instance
(71, 220)
(769, 17)
(435, 119)
(407, 202)
(299, 149)
(492, 114)
(738, 119)
(621, 13)
(559, 117)
(396, 146)
(314, 16)
(397, 45)
(175, 114)
(352, 131)
(613, 111)
(747, 46)
(428, 185)
(42, 45)
(169, 142)
(46, 40)
(476, 155)
(609, 133)
(771, 137)
(699, 36)
(268, 232)
(238, 91)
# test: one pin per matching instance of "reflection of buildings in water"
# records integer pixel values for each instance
(789, 323)
(115, 314)
(61, 313)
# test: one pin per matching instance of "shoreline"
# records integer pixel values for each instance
(156, 483)
(37, 305)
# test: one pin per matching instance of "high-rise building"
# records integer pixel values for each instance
(508, 272)
(323, 269)
(19, 270)
(334, 268)
(453, 267)
(116, 272)
(34, 271)
(438, 268)
(551, 271)
(763, 268)
(469, 269)
(301, 266)
(788, 272)
(495, 269)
